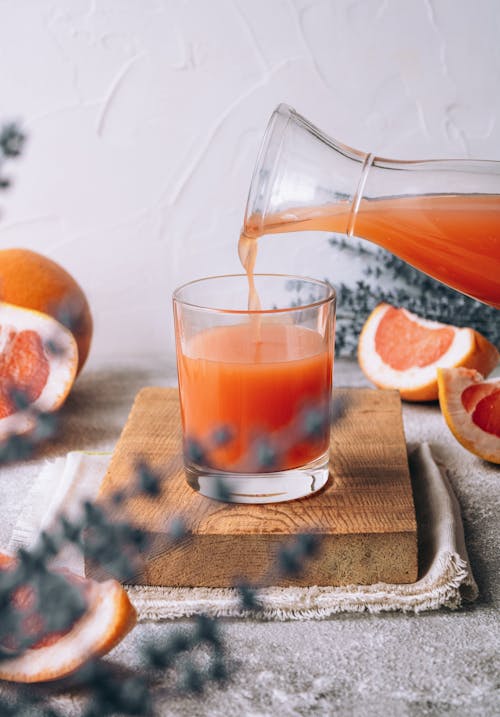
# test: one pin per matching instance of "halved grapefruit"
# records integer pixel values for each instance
(108, 616)
(471, 408)
(398, 349)
(38, 363)
(34, 281)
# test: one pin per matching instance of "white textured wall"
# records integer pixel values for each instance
(145, 116)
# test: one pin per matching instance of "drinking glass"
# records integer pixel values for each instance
(255, 386)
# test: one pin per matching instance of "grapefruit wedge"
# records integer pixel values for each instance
(108, 616)
(471, 408)
(398, 349)
(38, 364)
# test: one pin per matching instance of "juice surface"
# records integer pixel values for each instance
(259, 389)
(454, 238)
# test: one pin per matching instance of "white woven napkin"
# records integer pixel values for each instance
(445, 577)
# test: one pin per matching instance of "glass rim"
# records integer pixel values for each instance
(331, 296)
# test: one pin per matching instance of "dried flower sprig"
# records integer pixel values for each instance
(12, 140)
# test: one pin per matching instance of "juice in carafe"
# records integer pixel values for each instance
(454, 238)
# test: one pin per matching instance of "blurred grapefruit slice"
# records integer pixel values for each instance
(471, 408)
(38, 363)
(398, 349)
(108, 616)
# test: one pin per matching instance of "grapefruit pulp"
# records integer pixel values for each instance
(398, 349)
(38, 362)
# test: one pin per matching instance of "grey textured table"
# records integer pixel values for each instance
(440, 663)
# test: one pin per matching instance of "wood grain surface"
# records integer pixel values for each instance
(364, 515)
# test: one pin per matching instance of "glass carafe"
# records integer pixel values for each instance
(441, 216)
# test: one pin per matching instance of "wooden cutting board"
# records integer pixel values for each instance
(365, 514)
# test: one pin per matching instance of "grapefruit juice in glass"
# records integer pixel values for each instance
(255, 385)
